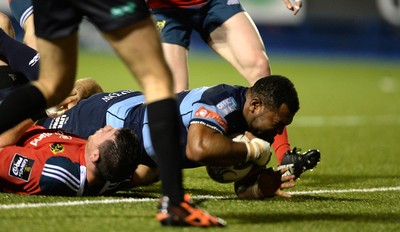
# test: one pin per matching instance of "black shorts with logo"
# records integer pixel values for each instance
(60, 18)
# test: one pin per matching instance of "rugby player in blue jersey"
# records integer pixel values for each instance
(121, 103)
(210, 117)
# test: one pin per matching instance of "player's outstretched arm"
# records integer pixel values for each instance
(6, 25)
(208, 146)
(263, 183)
(143, 176)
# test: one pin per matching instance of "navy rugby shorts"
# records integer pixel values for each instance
(60, 18)
(176, 24)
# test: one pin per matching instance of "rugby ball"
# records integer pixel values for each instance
(229, 174)
(232, 173)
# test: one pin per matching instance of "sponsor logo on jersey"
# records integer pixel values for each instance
(160, 25)
(232, 2)
(56, 148)
(21, 167)
(209, 114)
(61, 135)
(42, 136)
(34, 60)
(12, 76)
(227, 106)
(111, 96)
(120, 11)
(45, 135)
(58, 123)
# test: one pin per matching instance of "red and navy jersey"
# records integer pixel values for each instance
(48, 162)
(154, 4)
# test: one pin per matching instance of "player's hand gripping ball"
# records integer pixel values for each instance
(232, 173)
(55, 111)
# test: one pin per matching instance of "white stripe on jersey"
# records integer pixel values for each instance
(28, 12)
(83, 181)
(62, 175)
(62, 180)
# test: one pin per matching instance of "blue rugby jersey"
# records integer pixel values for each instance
(218, 107)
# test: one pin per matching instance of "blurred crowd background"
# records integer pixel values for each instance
(367, 28)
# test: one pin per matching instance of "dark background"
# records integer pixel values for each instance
(331, 27)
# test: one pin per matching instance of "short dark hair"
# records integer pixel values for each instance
(274, 90)
(119, 157)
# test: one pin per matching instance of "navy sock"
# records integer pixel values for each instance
(9, 78)
(20, 57)
(24, 102)
(165, 135)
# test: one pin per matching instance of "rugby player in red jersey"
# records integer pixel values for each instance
(54, 162)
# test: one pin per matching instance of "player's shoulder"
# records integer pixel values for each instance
(61, 176)
(221, 92)
(225, 88)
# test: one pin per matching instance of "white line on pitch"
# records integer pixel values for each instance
(366, 190)
(132, 200)
(73, 203)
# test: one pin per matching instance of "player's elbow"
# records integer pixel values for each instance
(197, 152)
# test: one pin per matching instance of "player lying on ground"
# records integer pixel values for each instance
(19, 63)
(301, 162)
(36, 160)
(280, 145)
(210, 117)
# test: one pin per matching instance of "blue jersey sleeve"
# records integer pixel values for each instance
(215, 107)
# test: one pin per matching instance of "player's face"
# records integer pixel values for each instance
(268, 123)
(103, 134)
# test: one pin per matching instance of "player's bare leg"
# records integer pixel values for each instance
(147, 63)
(57, 68)
(177, 59)
(6, 25)
(238, 41)
(29, 35)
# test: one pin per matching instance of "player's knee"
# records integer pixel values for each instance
(5, 24)
(54, 93)
(259, 68)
